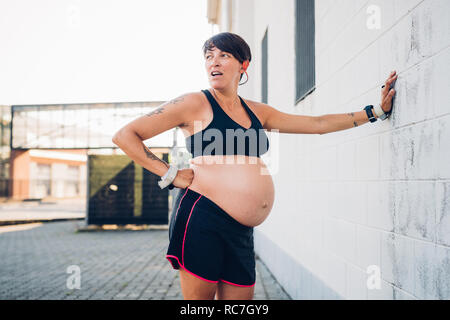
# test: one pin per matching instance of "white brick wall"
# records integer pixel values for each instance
(443, 213)
(376, 195)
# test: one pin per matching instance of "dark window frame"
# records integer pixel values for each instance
(265, 67)
(305, 64)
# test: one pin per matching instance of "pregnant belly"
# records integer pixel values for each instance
(244, 190)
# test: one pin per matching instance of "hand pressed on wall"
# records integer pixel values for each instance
(387, 93)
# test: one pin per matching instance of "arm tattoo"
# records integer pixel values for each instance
(176, 100)
(157, 111)
(161, 109)
(150, 155)
(354, 122)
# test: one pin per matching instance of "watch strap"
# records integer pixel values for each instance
(168, 177)
(369, 113)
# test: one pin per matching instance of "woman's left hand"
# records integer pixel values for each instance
(387, 94)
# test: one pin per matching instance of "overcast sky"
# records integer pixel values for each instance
(67, 51)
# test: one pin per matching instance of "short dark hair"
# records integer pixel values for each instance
(229, 42)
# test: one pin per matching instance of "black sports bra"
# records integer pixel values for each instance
(223, 136)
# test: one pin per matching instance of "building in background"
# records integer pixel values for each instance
(5, 136)
(371, 216)
(40, 173)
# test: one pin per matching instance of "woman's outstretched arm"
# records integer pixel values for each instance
(337, 122)
(273, 119)
(343, 121)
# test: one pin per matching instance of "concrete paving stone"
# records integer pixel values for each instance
(111, 265)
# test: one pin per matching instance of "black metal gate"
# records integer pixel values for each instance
(122, 192)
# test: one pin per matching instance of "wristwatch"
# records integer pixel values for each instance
(380, 112)
(369, 113)
(168, 177)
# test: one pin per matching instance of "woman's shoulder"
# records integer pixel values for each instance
(258, 108)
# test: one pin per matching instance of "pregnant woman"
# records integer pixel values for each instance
(227, 190)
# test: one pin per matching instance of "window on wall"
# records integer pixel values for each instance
(304, 48)
(72, 187)
(264, 68)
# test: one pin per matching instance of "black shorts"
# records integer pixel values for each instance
(208, 243)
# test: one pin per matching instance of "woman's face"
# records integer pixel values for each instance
(224, 62)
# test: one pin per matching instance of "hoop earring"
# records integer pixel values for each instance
(245, 80)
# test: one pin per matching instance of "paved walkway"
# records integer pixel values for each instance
(37, 258)
(14, 212)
